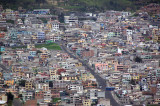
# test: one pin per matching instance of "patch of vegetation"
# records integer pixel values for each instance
(135, 15)
(19, 96)
(133, 82)
(10, 21)
(101, 5)
(22, 83)
(138, 59)
(80, 5)
(10, 98)
(27, 4)
(44, 20)
(61, 18)
(50, 46)
(54, 100)
(19, 47)
(9, 103)
(5, 86)
(50, 84)
(147, 39)
(38, 51)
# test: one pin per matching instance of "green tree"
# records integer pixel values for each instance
(10, 98)
(0, 52)
(20, 95)
(38, 51)
(22, 83)
(61, 17)
(133, 82)
(50, 84)
(55, 100)
(5, 86)
(138, 59)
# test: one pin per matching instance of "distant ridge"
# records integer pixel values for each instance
(79, 5)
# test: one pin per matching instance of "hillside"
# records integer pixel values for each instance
(27, 4)
(79, 5)
(93, 5)
(101, 5)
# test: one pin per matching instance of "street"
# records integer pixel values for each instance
(100, 80)
(16, 102)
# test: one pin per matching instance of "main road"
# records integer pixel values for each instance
(16, 102)
(100, 80)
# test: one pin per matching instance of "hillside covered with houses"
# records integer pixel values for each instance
(109, 58)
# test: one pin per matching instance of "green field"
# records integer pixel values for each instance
(19, 47)
(50, 46)
(54, 100)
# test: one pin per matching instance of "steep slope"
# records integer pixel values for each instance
(93, 5)
(79, 5)
(27, 4)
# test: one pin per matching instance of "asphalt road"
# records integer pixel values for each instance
(16, 102)
(100, 80)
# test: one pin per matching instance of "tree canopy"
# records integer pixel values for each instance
(22, 83)
(138, 59)
(10, 96)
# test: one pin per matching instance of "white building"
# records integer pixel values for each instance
(55, 25)
(78, 88)
(71, 20)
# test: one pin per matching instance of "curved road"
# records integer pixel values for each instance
(100, 80)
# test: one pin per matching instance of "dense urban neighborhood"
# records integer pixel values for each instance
(110, 58)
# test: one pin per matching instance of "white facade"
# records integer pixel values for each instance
(127, 76)
(55, 25)
(47, 97)
(71, 20)
(77, 88)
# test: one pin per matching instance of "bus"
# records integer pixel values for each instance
(110, 88)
